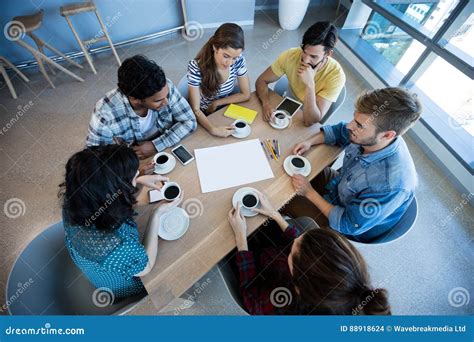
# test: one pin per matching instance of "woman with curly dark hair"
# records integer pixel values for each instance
(316, 272)
(98, 198)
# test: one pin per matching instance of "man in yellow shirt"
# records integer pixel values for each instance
(314, 77)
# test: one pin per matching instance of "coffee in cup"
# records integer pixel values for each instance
(162, 161)
(250, 200)
(169, 192)
(297, 164)
(279, 117)
(240, 126)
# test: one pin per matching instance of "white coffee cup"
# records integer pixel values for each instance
(279, 117)
(250, 200)
(240, 126)
(162, 161)
(169, 192)
(297, 164)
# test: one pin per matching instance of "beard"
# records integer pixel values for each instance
(371, 141)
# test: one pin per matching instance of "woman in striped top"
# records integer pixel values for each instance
(218, 76)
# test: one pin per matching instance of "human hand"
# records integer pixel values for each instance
(144, 149)
(301, 185)
(152, 181)
(266, 208)
(306, 73)
(302, 147)
(146, 169)
(239, 226)
(267, 112)
(222, 131)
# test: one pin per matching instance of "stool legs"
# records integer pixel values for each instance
(42, 57)
(7, 78)
(104, 29)
(81, 45)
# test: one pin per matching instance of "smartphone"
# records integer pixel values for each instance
(289, 105)
(182, 154)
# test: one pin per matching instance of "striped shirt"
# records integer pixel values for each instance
(237, 69)
(113, 116)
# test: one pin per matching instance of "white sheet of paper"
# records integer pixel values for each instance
(226, 166)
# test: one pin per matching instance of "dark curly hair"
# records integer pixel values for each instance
(140, 77)
(321, 33)
(98, 187)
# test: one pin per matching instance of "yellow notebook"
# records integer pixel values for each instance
(239, 112)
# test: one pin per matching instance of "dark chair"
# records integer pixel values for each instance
(55, 285)
(407, 221)
(231, 279)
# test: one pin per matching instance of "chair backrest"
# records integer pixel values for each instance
(183, 87)
(231, 281)
(281, 85)
(335, 106)
(406, 222)
(51, 284)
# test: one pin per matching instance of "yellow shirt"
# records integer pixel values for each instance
(328, 81)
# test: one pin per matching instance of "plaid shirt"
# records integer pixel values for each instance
(257, 292)
(113, 116)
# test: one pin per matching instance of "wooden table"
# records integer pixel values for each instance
(182, 262)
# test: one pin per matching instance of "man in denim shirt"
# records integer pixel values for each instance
(375, 185)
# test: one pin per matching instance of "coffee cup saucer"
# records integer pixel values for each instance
(286, 124)
(288, 169)
(238, 195)
(173, 224)
(244, 134)
(169, 168)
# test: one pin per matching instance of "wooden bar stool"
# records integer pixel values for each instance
(73, 9)
(5, 61)
(30, 23)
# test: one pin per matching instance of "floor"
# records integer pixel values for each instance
(428, 272)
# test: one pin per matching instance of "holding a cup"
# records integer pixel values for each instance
(169, 192)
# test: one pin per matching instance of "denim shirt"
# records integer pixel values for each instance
(372, 191)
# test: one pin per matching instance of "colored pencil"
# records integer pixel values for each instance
(271, 149)
(278, 146)
(265, 150)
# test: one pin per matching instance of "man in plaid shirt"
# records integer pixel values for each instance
(146, 110)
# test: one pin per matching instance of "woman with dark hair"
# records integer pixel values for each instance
(214, 75)
(98, 196)
(314, 272)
